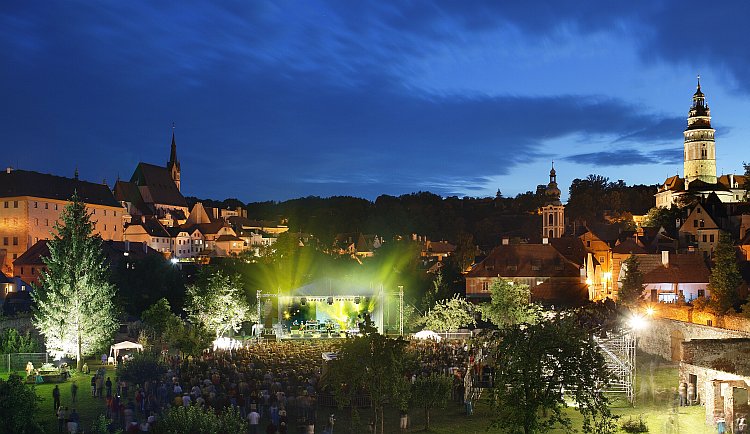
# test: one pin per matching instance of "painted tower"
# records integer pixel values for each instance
(173, 165)
(700, 147)
(553, 212)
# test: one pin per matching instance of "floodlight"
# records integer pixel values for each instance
(303, 301)
(174, 260)
(330, 300)
(650, 311)
(637, 322)
(356, 300)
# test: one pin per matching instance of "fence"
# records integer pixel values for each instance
(358, 401)
(17, 361)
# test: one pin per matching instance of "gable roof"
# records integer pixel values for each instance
(525, 260)
(629, 246)
(683, 268)
(673, 183)
(160, 185)
(28, 183)
(571, 248)
(113, 251)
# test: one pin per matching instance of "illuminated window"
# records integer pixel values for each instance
(55, 207)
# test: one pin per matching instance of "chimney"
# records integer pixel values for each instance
(665, 258)
(506, 241)
(731, 180)
(545, 240)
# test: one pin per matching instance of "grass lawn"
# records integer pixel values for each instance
(87, 407)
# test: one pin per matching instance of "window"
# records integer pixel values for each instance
(46, 206)
(704, 238)
(33, 271)
(698, 210)
(36, 204)
(711, 238)
(22, 271)
(46, 222)
(485, 286)
(105, 227)
(695, 223)
(702, 223)
(701, 293)
(15, 241)
(588, 243)
(15, 204)
(36, 222)
(114, 228)
(601, 259)
(15, 256)
(6, 204)
(93, 212)
(115, 213)
(5, 241)
(105, 212)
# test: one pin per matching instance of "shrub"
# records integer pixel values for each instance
(193, 419)
(634, 426)
(18, 407)
(141, 368)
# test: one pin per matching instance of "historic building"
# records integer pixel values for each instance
(553, 212)
(31, 203)
(699, 162)
(154, 191)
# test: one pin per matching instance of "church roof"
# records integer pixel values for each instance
(160, 185)
(34, 184)
(738, 179)
(698, 185)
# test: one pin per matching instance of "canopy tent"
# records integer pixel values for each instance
(126, 345)
(428, 334)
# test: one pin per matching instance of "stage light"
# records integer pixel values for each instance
(330, 300)
(356, 300)
(303, 301)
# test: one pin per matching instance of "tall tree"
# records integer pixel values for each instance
(632, 282)
(218, 303)
(538, 366)
(161, 325)
(74, 302)
(725, 274)
(18, 407)
(510, 304)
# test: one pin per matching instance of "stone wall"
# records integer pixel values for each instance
(663, 337)
(690, 314)
(726, 355)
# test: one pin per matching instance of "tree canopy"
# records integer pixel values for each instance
(632, 283)
(218, 302)
(450, 314)
(75, 308)
(725, 275)
(18, 407)
(510, 303)
(538, 366)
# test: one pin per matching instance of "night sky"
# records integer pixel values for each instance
(293, 98)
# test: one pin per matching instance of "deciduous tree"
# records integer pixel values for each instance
(450, 315)
(218, 303)
(538, 366)
(430, 392)
(18, 407)
(725, 275)
(510, 304)
(632, 283)
(74, 301)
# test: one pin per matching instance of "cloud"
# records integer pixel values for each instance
(627, 157)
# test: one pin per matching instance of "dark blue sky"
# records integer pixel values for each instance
(291, 98)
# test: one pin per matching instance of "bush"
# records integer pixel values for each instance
(634, 426)
(13, 342)
(18, 407)
(141, 368)
(180, 420)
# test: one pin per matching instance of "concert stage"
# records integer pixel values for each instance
(324, 309)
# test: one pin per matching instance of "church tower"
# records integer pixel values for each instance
(173, 165)
(700, 147)
(553, 212)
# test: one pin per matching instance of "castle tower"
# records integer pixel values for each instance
(700, 147)
(173, 165)
(553, 212)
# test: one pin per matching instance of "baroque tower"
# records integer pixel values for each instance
(700, 147)
(553, 212)
(173, 165)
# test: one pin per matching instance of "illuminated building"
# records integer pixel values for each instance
(31, 203)
(553, 212)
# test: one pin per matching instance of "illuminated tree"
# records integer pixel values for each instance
(74, 301)
(161, 325)
(510, 304)
(218, 303)
(450, 315)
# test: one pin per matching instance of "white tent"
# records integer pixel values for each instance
(126, 345)
(428, 334)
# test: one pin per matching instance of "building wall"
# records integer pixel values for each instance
(26, 220)
(663, 337)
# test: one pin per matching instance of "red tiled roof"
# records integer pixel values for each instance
(683, 268)
(525, 260)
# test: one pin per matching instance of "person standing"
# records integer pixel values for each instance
(93, 385)
(254, 419)
(74, 392)
(721, 424)
(683, 394)
(108, 385)
(56, 397)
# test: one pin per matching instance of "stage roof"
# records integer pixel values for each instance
(335, 287)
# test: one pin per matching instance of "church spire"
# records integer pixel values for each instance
(700, 146)
(173, 165)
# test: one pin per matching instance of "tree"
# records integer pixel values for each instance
(450, 315)
(746, 186)
(659, 217)
(13, 342)
(374, 364)
(74, 301)
(430, 392)
(218, 303)
(725, 275)
(632, 283)
(18, 407)
(538, 365)
(466, 251)
(161, 325)
(510, 304)
(141, 368)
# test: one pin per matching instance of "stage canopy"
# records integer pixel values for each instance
(126, 345)
(336, 288)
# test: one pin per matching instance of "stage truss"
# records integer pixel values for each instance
(619, 353)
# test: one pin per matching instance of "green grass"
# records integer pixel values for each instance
(88, 408)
